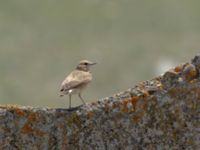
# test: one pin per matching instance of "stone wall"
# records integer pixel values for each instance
(159, 114)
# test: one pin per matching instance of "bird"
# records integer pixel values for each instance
(77, 80)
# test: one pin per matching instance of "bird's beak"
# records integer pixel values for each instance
(93, 64)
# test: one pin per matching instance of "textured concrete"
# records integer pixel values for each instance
(160, 114)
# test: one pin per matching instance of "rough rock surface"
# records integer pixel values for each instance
(160, 114)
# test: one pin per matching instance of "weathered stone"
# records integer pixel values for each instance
(162, 114)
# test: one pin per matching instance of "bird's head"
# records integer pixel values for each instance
(85, 65)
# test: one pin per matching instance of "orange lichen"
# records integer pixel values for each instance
(19, 112)
(141, 105)
(27, 129)
(178, 68)
(145, 105)
(193, 73)
(32, 116)
(190, 72)
(38, 132)
(9, 106)
(134, 101)
(115, 105)
(145, 93)
(125, 107)
(194, 81)
(90, 114)
(138, 117)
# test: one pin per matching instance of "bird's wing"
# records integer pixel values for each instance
(74, 80)
(70, 85)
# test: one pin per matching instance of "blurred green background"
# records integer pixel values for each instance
(41, 41)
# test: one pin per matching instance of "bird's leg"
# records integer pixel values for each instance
(81, 98)
(70, 96)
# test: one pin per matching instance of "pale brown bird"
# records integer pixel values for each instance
(77, 80)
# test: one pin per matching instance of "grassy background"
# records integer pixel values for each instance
(41, 41)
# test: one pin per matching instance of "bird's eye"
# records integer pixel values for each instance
(85, 63)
